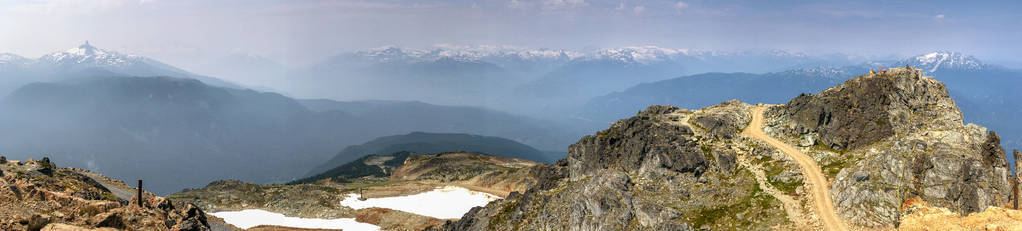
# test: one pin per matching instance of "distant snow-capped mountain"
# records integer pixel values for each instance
(944, 60)
(87, 60)
(12, 59)
(637, 54)
(627, 54)
(463, 53)
(87, 54)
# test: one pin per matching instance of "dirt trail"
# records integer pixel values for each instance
(791, 206)
(122, 192)
(816, 181)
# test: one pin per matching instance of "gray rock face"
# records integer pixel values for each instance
(900, 136)
(654, 171)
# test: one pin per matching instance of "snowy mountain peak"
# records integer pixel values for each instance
(386, 54)
(639, 54)
(86, 54)
(462, 53)
(84, 50)
(628, 55)
(8, 58)
(938, 60)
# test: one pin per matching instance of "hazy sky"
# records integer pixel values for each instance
(187, 33)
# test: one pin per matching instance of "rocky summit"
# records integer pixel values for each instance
(892, 136)
(881, 140)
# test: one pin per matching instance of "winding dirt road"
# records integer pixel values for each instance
(817, 182)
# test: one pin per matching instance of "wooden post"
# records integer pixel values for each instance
(139, 192)
(1014, 192)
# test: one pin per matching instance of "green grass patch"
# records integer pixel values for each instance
(832, 168)
(758, 206)
(503, 215)
(822, 147)
(786, 187)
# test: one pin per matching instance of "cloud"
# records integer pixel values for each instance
(939, 17)
(680, 5)
(563, 4)
(639, 9)
(549, 5)
(516, 4)
(68, 7)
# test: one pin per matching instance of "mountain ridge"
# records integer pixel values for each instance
(629, 176)
(157, 126)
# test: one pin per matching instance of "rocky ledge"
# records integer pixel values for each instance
(37, 195)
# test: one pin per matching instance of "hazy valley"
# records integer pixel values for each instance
(509, 115)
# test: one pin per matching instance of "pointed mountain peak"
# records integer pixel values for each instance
(86, 49)
(86, 53)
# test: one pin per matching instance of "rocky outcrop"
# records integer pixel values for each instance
(494, 174)
(867, 109)
(301, 200)
(39, 196)
(892, 136)
(631, 143)
(654, 171)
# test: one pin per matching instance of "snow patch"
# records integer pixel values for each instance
(254, 217)
(449, 202)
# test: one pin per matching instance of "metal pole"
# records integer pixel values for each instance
(139, 192)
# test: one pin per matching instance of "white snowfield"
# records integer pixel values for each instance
(253, 217)
(450, 202)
